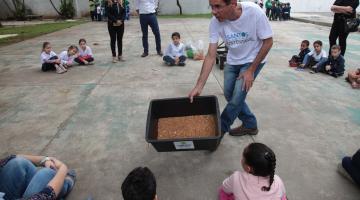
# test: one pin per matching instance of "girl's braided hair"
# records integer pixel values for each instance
(262, 160)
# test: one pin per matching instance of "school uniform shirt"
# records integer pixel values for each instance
(317, 57)
(303, 53)
(65, 58)
(86, 52)
(146, 6)
(337, 65)
(175, 51)
(44, 57)
(353, 3)
(245, 186)
(243, 36)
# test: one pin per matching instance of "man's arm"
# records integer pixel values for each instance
(342, 9)
(248, 75)
(205, 71)
(137, 5)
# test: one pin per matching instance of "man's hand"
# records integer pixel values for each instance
(177, 60)
(248, 79)
(194, 92)
(349, 9)
(328, 67)
(50, 164)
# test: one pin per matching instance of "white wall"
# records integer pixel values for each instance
(43, 7)
(168, 7)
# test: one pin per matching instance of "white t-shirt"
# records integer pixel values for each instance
(173, 50)
(65, 58)
(146, 6)
(87, 52)
(45, 57)
(316, 56)
(243, 36)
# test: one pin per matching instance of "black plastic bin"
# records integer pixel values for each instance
(178, 107)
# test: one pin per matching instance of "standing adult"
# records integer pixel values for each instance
(116, 17)
(147, 11)
(92, 9)
(268, 6)
(343, 9)
(247, 33)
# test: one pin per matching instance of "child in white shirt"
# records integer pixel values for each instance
(67, 57)
(316, 57)
(175, 52)
(49, 60)
(85, 55)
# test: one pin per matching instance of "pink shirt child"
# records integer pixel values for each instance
(245, 186)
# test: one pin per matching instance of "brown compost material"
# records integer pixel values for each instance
(195, 126)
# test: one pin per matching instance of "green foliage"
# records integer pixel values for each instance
(67, 9)
(31, 31)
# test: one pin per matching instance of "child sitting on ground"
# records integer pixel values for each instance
(258, 180)
(85, 56)
(335, 65)
(67, 57)
(175, 53)
(354, 78)
(296, 60)
(140, 184)
(49, 60)
(316, 57)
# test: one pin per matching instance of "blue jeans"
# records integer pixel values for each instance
(150, 20)
(309, 61)
(235, 96)
(19, 178)
(171, 60)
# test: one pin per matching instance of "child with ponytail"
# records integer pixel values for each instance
(258, 180)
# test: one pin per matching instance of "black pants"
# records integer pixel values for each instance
(49, 66)
(116, 33)
(268, 12)
(338, 31)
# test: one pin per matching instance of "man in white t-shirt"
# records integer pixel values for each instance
(247, 33)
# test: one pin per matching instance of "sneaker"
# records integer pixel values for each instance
(144, 54)
(90, 63)
(168, 63)
(241, 131)
(120, 59)
(181, 64)
(312, 72)
(63, 67)
(59, 70)
(344, 173)
(160, 53)
(114, 60)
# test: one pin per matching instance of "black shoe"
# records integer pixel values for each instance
(182, 64)
(160, 53)
(144, 55)
(241, 131)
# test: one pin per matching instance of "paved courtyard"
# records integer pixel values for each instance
(93, 117)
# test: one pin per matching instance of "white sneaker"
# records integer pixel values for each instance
(63, 67)
(59, 70)
(114, 60)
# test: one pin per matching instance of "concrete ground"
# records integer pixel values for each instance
(93, 117)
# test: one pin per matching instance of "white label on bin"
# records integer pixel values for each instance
(184, 145)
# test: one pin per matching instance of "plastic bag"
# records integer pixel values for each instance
(199, 52)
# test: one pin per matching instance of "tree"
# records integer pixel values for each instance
(67, 9)
(179, 5)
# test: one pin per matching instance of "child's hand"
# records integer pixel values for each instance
(57, 61)
(328, 67)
